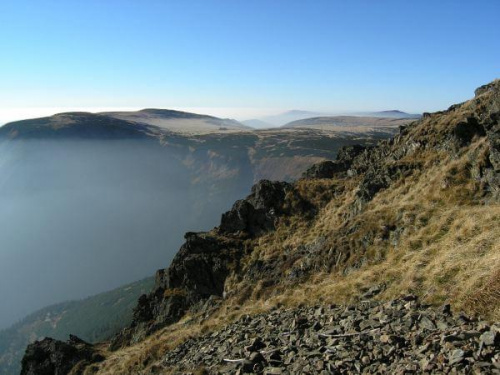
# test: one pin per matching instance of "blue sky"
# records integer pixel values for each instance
(245, 57)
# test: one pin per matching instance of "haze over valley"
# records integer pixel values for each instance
(124, 188)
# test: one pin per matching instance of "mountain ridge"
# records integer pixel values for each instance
(287, 117)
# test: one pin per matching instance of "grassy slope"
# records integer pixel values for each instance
(447, 247)
(93, 319)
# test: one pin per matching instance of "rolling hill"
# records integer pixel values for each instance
(285, 118)
(395, 113)
(352, 124)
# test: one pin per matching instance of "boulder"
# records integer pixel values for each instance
(257, 213)
(328, 169)
(325, 169)
(54, 357)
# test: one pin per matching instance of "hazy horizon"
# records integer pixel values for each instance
(239, 114)
(244, 59)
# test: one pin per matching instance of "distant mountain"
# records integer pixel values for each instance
(119, 125)
(288, 116)
(180, 122)
(94, 319)
(391, 114)
(73, 125)
(257, 124)
(351, 124)
(296, 115)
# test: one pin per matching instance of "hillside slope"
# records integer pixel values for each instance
(418, 214)
(73, 125)
(94, 319)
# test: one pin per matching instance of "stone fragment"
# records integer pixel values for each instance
(489, 338)
(456, 356)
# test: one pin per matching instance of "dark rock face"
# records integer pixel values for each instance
(197, 272)
(325, 169)
(400, 336)
(54, 357)
(258, 212)
(328, 169)
(348, 153)
(465, 131)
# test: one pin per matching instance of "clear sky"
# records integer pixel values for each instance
(244, 58)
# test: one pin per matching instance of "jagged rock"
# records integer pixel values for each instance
(465, 131)
(54, 357)
(200, 268)
(198, 271)
(489, 338)
(325, 169)
(347, 154)
(328, 169)
(258, 212)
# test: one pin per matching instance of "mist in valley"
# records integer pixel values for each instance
(78, 217)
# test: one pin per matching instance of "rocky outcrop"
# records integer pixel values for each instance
(258, 212)
(347, 154)
(485, 88)
(204, 261)
(490, 116)
(54, 357)
(400, 336)
(325, 169)
(197, 272)
(344, 160)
